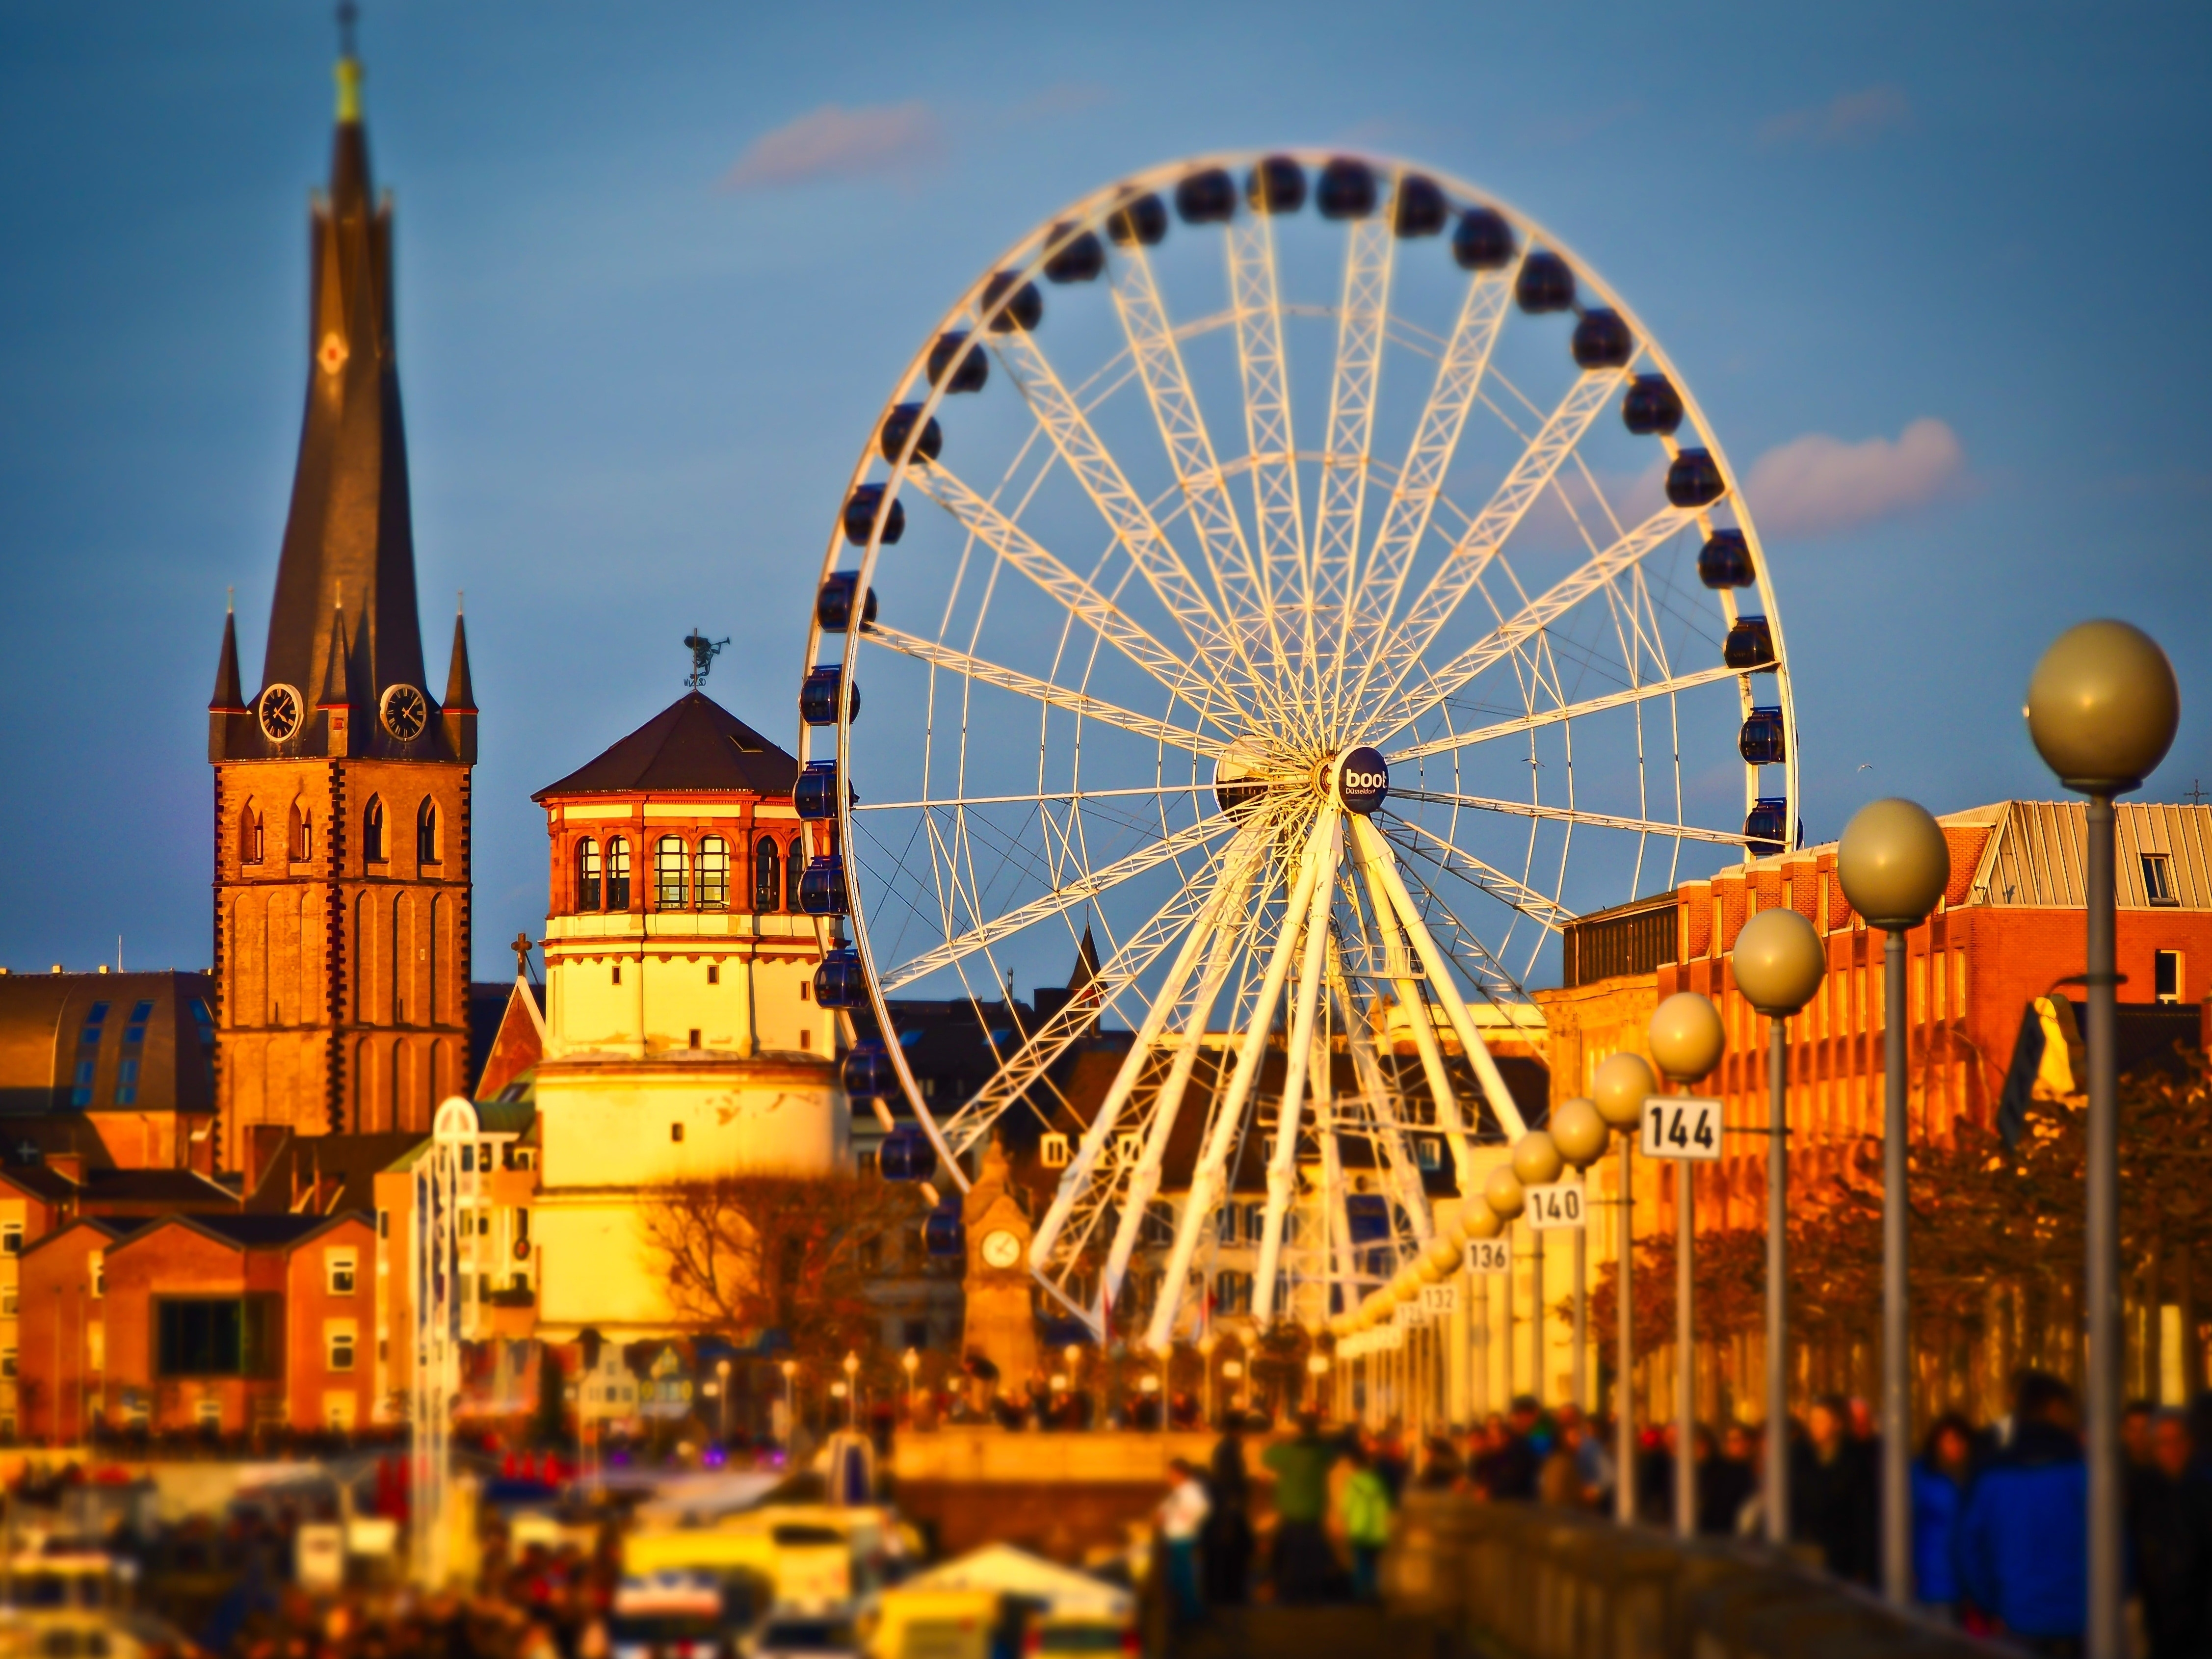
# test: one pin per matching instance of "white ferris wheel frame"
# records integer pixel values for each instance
(1221, 684)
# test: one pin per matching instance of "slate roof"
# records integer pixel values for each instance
(693, 746)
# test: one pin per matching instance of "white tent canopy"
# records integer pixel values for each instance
(1001, 1567)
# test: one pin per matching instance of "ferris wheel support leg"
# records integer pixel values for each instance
(1413, 999)
(1078, 1174)
(1221, 1136)
(1404, 1173)
(1380, 859)
(1283, 1169)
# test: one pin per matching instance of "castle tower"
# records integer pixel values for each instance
(341, 786)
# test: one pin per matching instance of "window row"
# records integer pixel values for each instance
(299, 834)
(685, 879)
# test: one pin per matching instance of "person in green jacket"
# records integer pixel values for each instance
(1367, 1518)
(1303, 1564)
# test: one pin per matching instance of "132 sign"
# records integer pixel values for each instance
(1489, 1256)
(1681, 1126)
(1560, 1204)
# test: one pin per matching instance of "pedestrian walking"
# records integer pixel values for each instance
(1832, 1498)
(1181, 1517)
(1303, 1564)
(1229, 1527)
(2023, 1539)
(2170, 1537)
(1366, 1518)
(1940, 1476)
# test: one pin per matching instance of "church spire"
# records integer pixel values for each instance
(349, 532)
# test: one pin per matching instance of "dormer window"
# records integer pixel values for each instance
(2158, 878)
(588, 874)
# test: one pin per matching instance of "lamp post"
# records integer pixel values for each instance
(1618, 1088)
(790, 1369)
(1778, 962)
(723, 1378)
(1687, 1040)
(1317, 1367)
(1072, 1353)
(910, 1362)
(1578, 1130)
(1207, 1345)
(1894, 865)
(2102, 707)
(852, 1369)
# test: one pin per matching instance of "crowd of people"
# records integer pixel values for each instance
(1999, 1510)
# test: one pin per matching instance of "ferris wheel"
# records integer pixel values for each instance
(1300, 574)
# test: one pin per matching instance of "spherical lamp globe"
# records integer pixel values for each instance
(1442, 1256)
(1406, 1286)
(1778, 963)
(1618, 1088)
(1479, 1220)
(1687, 1035)
(1578, 1132)
(2102, 707)
(1427, 1267)
(1536, 1160)
(1893, 863)
(1502, 1192)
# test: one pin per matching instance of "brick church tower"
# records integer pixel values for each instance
(342, 786)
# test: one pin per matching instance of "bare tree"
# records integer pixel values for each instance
(748, 1254)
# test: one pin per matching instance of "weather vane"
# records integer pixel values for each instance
(702, 651)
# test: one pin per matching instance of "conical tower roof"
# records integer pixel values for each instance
(349, 537)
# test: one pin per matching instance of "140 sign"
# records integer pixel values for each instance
(1560, 1204)
(1681, 1126)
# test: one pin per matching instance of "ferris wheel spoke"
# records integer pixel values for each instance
(1460, 370)
(1182, 424)
(1471, 554)
(1572, 815)
(1353, 386)
(1283, 1168)
(1378, 857)
(1132, 522)
(1040, 1052)
(1405, 986)
(1377, 1093)
(1079, 703)
(1539, 908)
(1203, 916)
(1397, 710)
(1057, 903)
(1206, 1179)
(1269, 438)
(1565, 711)
(1082, 600)
(955, 803)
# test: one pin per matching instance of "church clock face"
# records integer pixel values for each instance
(1001, 1248)
(405, 712)
(279, 712)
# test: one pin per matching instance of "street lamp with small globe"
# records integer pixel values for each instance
(1687, 1040)
(1778, 962)
(1618, 1088)
(2102, 707)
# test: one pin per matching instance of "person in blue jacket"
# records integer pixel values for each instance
(1939, 1493)
(2023, 1540)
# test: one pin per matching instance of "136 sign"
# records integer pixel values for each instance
(1489, 1256)
(1681, 1126)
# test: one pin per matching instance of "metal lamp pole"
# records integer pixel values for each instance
(1687, 1040)
(2102, 707)
(1618, 1088)
(1778, 962)
(1579, 1130)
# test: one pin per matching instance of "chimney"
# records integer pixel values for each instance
(265, 1145)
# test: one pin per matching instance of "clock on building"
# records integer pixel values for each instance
(406, 711)
(1000, 1322)
(1001, 1248)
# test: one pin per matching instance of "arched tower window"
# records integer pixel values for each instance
(670, 866)
(794, 867)
(714, 874)
(426, 832)
(372, 831)
(249, 834)
(768, 874)
(617, 874)
(300, 835)
(588, 874)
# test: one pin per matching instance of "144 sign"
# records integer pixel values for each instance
(1681, 1126)
(1560, 1204)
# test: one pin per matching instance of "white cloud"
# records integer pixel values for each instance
(1817, 485)
(1850, 118)
(835, 143)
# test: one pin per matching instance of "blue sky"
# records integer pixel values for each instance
(658, 265)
